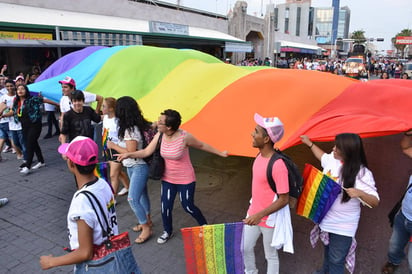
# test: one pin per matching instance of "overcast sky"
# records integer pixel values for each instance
(378, 18)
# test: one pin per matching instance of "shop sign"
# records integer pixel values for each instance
(25, 35)
(404, 40)
(238, 47)
(169, 28)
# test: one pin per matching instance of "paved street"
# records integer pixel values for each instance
(34, 221)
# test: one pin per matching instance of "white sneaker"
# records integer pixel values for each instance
(6, 149)
(24, 171)
(38, 165)
(13, 151)
(3, 201)
(122, 192)
(164, 237)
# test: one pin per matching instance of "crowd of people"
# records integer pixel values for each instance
(126, 146)
(383, 68)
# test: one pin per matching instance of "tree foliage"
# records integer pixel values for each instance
(358, 36)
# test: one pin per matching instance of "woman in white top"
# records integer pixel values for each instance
(110, 126)
(131, 125)
(347, 165)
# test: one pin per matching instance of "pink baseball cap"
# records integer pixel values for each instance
(68, 81)
(273, 126)
(19, 78)
(81, 150)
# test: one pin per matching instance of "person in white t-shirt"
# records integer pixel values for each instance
(6, 103)
(347, 165)
(110, 129)
(84, 229)
(69, 86)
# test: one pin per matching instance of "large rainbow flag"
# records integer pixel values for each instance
(214, 248)
(319, 193)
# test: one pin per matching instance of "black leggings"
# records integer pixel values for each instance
(31, 133)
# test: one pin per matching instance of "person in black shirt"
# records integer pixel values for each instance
(77, 121)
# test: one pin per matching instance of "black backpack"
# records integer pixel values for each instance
(294, 177)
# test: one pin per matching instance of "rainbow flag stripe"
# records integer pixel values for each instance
(101, 171)
(214, 248)
(319, 193)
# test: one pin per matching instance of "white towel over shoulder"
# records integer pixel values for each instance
(283, 232)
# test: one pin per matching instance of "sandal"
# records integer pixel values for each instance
(389, 268)
(141, 240)
(139, 227)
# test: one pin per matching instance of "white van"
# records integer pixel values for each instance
(408, 69)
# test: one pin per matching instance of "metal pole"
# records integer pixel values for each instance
(59, 50)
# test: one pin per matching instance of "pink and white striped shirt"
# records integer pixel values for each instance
(178, 167)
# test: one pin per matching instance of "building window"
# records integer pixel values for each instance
(287, 20)
(276, 14)
(298, 14)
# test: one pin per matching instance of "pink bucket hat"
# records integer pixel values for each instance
(81, 150)
(273, 126)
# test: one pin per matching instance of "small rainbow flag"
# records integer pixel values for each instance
(101, 171)
(214, 248)
(319, 193)
(105, 136)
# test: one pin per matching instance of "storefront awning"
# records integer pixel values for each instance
(41, 18)
(287, 46)
(40, 43)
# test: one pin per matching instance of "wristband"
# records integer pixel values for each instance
(311, 145)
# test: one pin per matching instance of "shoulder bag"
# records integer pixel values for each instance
(157, 166)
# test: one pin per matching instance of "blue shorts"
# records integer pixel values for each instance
(4, 130)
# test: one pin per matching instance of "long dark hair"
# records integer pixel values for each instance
(129, 115)
(353, 154)
(26, 95)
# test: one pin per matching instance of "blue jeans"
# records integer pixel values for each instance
(121, 261)
(187, 195)
(4, 130)
(18, 140)
(335, 254)
(401, 234)
(138, 197)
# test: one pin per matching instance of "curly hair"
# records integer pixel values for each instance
(354, 158)
(129, 115)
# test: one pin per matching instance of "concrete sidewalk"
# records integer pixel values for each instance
(34, 221)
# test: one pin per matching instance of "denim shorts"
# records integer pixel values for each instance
(4, 130)
(121, 261)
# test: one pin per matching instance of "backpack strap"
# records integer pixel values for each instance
(89, 195)
(275, 156)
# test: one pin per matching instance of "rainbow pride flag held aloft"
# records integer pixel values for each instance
(214, 248)
(319, 193)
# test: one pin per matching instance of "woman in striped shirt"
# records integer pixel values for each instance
(179, 176)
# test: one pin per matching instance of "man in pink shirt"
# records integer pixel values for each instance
(267, 132)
